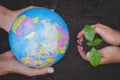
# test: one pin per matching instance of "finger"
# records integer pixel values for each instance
(104, 61)
(103, 51)
(80, 34)
(81, 39)
(35, 72)
(79, 43)
(80, 49)
(94, 27)
(99, 28)
(98, 25)
(103, 58)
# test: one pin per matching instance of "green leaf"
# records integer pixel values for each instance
(94, 57)
(90, 43)
(89, 33)
(97, 41)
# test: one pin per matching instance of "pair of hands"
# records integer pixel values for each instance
(109, 54)
(8, 63)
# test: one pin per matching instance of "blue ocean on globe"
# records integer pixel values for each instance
(39, 37)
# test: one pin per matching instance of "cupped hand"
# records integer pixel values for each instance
(109, 54)
(107, 34)
(8, 63)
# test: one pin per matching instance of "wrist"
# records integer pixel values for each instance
(117, 38)
(5, 18)
(4, 68)
(4, 64)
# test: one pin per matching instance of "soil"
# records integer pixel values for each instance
(76, 14)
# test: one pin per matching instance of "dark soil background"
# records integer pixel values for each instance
(76, 14)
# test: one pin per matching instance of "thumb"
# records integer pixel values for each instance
(88, 55)
(34, 72)
(98, 28)
(103, 58)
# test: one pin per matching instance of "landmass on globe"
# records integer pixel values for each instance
(39, 37)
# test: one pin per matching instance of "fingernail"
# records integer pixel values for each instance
(88, 54)
(50, 70)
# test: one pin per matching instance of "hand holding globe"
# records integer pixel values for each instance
(9, 64)
(39, 37)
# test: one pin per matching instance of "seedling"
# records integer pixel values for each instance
(94, 56)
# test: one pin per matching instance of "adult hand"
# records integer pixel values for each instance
(109, 54)
(108, 35)
(8, 63)
(8, 16)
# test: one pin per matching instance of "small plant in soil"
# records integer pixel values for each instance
(94, 55)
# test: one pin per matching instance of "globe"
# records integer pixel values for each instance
(39, 37)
